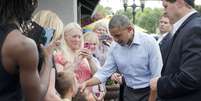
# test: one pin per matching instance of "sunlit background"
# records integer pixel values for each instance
(118, 4)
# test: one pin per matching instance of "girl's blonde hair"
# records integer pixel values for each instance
(47, 18)
(91, 37)
(69, 54)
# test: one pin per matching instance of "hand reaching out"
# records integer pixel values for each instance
(153, 83)
(85, 53)
(117, 77)
(82, 87)
(47, 50)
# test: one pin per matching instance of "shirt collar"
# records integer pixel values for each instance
(136, 39)
(179, 22)
(161, 37)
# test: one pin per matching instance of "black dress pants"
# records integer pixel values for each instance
(136, 95)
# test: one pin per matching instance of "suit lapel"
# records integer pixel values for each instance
(165, 39)
(175, 36)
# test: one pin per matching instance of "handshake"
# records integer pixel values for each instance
(117, 77)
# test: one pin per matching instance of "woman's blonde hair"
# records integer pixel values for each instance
(91, 37)
(47, 18)
(100, 24)
(69, 54)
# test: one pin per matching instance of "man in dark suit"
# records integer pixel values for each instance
(165, 36)
(181, 73)
(164, 44)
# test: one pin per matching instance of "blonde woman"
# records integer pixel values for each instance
(73, 53)
(100, 28)
(105, 39)
(91, 42)
(49, 19)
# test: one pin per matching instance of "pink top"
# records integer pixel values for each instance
(59, 59)
(83, 72)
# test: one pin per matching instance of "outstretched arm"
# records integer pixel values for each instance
(90, 82)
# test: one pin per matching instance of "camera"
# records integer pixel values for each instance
(49, 33)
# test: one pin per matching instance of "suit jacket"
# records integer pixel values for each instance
(181, 73)
(164, 45)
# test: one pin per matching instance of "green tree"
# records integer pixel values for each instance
(99, 13)
(198, 8)
(103, 10)
(148, 19)
(127, 13)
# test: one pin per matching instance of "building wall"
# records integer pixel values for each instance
(66, 9)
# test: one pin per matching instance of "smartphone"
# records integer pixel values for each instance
(87, 45)
(97, 94)
(49, 33)
(104, 37)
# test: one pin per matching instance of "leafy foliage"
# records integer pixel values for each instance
(198, 8)
(148, 19)
(128, 13)
(104, 10)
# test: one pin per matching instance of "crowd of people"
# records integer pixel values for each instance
(44, 60)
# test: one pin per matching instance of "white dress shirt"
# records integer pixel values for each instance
(179, 22)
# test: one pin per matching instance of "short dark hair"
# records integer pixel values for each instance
(120, 21)
(80, 97)
(64, 82)
(164, 15)
(172, 1)
(18, 10)
(189, 2)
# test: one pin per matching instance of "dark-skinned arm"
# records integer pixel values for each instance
(34, 86)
